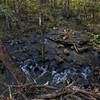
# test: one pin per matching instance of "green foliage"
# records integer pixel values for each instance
(7, 11)
(30, 6)
(53, 11)
(95, 38)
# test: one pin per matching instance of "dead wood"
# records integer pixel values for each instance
(69, 91)
(11, 65)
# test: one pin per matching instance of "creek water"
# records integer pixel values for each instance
(27, 51)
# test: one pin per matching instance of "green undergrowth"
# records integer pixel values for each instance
(95, 39)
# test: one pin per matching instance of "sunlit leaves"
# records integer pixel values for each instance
(95, 39)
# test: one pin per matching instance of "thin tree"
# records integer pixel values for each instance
(6, 15)
(41, 24)
(67, 7)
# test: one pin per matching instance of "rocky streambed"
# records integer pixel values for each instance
(69, 56)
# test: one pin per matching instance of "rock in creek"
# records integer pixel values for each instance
(66, 51)
(72, 48)
(59, 60)
(83, 49)
(83, 42)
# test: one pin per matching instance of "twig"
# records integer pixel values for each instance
(56, 94)
(73, 97)
(52, 95)
(87, 97)
(29, 84)
(35, 86)
(96, 95)
(10, 95)
(75, 48)
(25, 98)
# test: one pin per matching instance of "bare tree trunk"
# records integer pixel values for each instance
(68, 10)
(16, 12)
(41, 24)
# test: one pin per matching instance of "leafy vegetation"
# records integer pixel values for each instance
(42, 15)
(95, 39)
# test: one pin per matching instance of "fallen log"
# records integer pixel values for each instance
(11, 65)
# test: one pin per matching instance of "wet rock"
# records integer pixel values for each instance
(78, 66)
(97, 71)
(59, 77)
(37, 70)
(47, 59)
(72, 47)
(46, 50)
(24, 50)
(66, 51)
(59, 52)
(83, 42)
(29, 64)
(59, 60)
(50, 57)
(53, 64)
(20, 42)
(12, 42)
(46, 77)
(83, 49)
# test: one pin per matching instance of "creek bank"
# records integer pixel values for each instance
(70, 58)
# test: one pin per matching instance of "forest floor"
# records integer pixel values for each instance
(69, 57)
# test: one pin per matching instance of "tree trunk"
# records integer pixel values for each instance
(16, 12)
(68, 10)
(41, 24)
(7, 27)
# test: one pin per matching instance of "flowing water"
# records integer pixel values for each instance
(27, 53)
